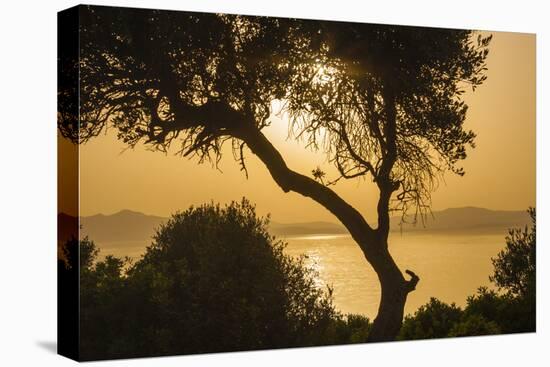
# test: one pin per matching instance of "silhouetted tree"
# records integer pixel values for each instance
(213, 280)
(357, 328)
(513, 308)
(219, 282)
(435, 319)
(515, 266)
(511, 314)
(104, 303)
(381, 100)
(474, 324)
(384, 102)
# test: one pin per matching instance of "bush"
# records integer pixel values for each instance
(515, 275)
(474, 325)
(358, 327)
(511, 314)
(103, 302)
(515, 266)
(213, 280)
(432, 320)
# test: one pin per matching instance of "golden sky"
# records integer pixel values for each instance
(500, 171)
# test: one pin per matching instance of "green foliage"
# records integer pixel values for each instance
(474, 325)
(379, 100)
(487, 313)
(515, 276)
(102, 300)
(432, 320)
(213, 280)
(511, 314)
(358, 327)
(212, 268)
(515, 266)
(88, 253)
(351, 328)
(489, 304)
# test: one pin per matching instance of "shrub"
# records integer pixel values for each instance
(474, 324)
(212, 280)
(511, 314)
(432, 320)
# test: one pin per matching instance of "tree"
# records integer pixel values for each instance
(103, 299)
(220, 282)
(515, 266)
(474, 325)
(212, 280)
(511, 314)
(435, 319)
(515, 274)
(382, 101)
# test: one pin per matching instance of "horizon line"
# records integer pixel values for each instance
(316, 220)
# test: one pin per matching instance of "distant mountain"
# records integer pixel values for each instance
(125, 225)
(128, 225)
(466, 219)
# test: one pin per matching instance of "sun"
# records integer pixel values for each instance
(323, 73)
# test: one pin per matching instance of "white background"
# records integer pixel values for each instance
(28, 182)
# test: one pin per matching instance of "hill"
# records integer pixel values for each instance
(125, 225)
(128, 225)
(467, 219)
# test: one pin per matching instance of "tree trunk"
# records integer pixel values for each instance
(373, 242)
(394, 289)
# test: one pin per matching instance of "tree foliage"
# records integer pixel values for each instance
(474, 325)
(380, 100)
(511, 314)
(148, 73)
(515, 266)
(385, 101)
(226, 271)
(213, 280)
(435, 319)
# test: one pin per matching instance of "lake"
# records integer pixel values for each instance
(450, 266)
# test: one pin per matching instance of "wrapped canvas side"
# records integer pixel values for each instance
(68, 194)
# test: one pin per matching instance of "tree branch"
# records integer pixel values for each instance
(411, 283)
(237, 125)
(384, 180)
(290, 180)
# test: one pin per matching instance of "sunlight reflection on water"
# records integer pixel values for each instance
(451, 267)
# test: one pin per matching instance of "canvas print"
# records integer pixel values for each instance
(236, 183)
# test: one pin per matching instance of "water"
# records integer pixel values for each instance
(451, 266)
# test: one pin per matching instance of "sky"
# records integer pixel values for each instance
(500, 171)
